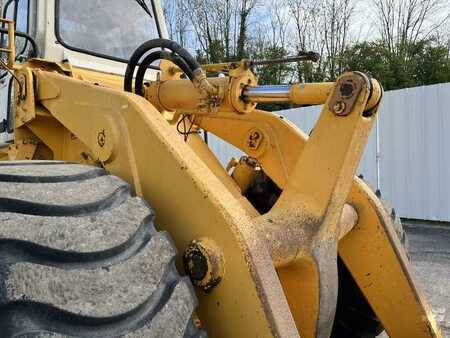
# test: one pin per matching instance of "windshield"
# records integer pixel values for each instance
(108, 28)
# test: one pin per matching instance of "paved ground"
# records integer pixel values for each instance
(429, 247)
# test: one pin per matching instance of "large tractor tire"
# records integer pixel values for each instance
(80, 257)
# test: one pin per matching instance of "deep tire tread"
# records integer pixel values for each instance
(117, 197)
(166, 311)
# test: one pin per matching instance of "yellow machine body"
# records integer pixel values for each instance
(278, 272)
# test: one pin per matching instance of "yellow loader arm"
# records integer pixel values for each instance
(266, 275)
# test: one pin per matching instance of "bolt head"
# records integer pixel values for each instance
(347, 89)
(101, 138)
(204, 263)
(254, 140)
(339, 108)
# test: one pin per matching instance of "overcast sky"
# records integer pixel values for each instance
(364, 25)
(363, 20)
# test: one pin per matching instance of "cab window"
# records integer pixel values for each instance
(107, 28)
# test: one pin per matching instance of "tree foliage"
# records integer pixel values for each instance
(411, 48)
(427, 63)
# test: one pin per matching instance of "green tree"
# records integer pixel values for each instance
(433, 65)
(276, 73)
(427, 63)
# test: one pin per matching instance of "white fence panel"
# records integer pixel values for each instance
(414, 148)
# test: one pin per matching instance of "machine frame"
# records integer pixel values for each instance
(268, 268)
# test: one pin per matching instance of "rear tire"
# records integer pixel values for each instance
(354, 316)
(80, 257)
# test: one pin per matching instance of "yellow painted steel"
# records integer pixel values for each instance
(377, 260)
(244, 172)
(84, 116)
(306, 216)
(276, 153)
(182, 95)
(104, 79)
(23, 150)
(4, 154)
(189, 200)
(310, 93)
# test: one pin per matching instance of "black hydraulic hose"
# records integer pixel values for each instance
(149, 59)
(34, 46)
(16, 10)
(9, 108)
(25, 45)
(153, 44)
(159, 55)
(28, 38)
(6, 6)
(180, 62)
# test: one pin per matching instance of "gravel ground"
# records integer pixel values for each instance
(429, 247)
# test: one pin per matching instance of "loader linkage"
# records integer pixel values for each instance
(272, 274)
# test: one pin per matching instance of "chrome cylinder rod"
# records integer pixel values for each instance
(269, 93)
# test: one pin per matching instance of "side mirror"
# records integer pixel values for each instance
(11, 49)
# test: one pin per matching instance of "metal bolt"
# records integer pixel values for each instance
(204, 263)
(339, 108)
(101, 138)
(254, 140)
(347, 89)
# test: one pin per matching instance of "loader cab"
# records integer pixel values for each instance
(99, 34)
(96, 35)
